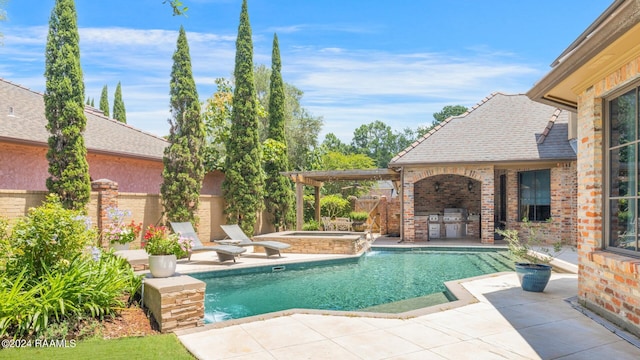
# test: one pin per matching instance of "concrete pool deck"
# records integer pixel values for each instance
(504, 323)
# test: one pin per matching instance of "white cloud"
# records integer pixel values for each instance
(347, 87)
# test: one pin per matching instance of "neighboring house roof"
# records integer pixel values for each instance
(22, 120)
(501, 128)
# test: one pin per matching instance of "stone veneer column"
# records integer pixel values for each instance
(176, 302)
(107, 197)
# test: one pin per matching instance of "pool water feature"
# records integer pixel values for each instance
(383, 281)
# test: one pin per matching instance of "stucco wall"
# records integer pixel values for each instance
(608, 282)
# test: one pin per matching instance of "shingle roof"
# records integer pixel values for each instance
(501, 128)
(28, 123)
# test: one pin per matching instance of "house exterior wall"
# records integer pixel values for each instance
(24, 167)
(608, 283)
(563, 203)
(482, 174)
(420, 197)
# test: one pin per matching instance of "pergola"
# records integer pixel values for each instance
(317, 178)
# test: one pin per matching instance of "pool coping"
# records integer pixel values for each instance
(455, 287)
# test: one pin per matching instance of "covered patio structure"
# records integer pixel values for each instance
(318, 178)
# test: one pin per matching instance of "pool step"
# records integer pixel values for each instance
(409, 304)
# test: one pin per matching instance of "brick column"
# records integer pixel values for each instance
(382, 212)
(107, 196)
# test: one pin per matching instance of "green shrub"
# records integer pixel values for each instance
(311, 225)
(334, 206)
(48, 238)
(359, 215)
(86, 288)
(6, 251)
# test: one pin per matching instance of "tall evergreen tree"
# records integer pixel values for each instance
(64, 109)
(92, 102)
(104, 101)
(278, 192)
(119, 113)
(183, 164)
(244, 178)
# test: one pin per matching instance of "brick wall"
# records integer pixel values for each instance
(563, 202)
(145, 208)
(608, 282)
(419, 195)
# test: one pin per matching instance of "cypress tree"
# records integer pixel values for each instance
(64, 109)
(278, 192)
(244, 178)
(92, 103)
(183, 164)
(119, 113)
(104, 101)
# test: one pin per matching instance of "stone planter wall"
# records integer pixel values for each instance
(176, 302)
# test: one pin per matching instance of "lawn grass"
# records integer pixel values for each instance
(166, 346)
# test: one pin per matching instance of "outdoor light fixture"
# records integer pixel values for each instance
(470, 185)
(437, 186)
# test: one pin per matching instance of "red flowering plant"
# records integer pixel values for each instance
(117, 231)
(158, 240)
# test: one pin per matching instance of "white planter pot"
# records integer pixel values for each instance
(162, 266)
(118, 246)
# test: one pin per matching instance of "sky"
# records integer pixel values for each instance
(357, 61)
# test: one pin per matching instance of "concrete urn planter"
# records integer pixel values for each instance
(162, 266)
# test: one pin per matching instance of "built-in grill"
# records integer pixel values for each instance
(454, 215)
(455, 222)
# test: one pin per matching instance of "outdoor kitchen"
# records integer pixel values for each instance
(447, 207)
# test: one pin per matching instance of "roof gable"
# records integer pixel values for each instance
(501, 128)
(22, 119)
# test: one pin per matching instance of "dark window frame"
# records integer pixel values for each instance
(534, 212)
(621, 195)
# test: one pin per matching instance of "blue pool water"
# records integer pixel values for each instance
(378, 277)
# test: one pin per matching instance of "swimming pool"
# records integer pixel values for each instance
(366, 283)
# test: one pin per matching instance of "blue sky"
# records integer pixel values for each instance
(357, 61)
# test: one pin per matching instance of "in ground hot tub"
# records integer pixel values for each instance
(319, 242)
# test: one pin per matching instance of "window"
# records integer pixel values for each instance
(621, 168)
(534, 194)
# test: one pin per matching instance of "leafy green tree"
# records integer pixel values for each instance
(332, 143)
(449, 111)
(338, 161)
(119, 113)
(278, 192)
(104, 101)
(183, 165)
(217, 121)
(377, 141)
(302, 127)
(64, 109)
(177, 7)
(244, 178)
(3, 17)
(446, 112)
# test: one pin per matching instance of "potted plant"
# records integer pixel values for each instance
(164, 249)
(358, 218)
(531, 255)
(116, 232)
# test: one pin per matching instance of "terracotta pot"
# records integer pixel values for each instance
(162, 266)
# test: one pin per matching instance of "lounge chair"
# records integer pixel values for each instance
(234, 232)
(225, 252)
